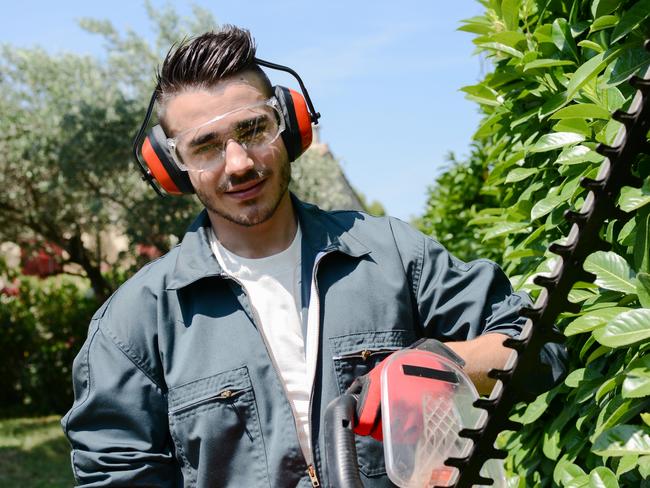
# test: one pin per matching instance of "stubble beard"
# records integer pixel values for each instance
(257, 215)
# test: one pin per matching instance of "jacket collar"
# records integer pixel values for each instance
(195, 259)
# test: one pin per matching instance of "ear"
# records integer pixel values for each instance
(160, 162)
(297, 135)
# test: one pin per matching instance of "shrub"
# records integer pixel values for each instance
(454, 199)
(43, 323)
(559, 70)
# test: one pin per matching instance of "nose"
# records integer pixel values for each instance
(237, 159)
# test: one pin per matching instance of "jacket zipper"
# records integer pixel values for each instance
(226, 394)
(313, 477)
(365, 354)
(311, 470)
(256, 321)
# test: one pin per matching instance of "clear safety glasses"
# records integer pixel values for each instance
(203, 148)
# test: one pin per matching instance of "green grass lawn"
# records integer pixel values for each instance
(34, 454)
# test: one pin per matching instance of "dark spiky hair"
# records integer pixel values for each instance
(203, 61)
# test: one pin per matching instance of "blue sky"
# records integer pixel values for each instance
(384, 75)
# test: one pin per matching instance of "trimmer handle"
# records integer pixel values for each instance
(340, 450)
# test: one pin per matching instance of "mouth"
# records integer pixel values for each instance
(246, 190)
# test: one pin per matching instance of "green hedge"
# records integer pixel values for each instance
(43, 323)
(559, 68)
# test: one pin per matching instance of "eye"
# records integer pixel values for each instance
(209, 149)
(253, 131)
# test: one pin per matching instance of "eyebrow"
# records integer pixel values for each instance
(208, 136)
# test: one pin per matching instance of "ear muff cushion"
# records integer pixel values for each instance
(297, 135)
(159, 160)
(303, 118)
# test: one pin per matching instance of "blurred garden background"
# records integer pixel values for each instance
(76, 220)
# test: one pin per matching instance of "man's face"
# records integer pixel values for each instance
(248, 186)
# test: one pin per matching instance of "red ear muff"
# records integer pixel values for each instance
(159, 160)
(297, 134)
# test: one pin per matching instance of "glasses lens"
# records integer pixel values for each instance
(205, 147)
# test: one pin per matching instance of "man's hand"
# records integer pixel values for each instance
(482, 354)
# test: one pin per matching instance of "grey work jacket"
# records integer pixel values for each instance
(175, 387)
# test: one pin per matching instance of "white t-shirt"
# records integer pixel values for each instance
(273, 288)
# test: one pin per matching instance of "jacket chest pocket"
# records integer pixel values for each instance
(355, 355)
(216, 431)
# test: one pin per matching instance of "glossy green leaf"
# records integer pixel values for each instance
(642, 242)
(625, 329)
(535, 409)
(592, 320)
(611, 270)
(643, 289)
(483, 95)
(605, 388)
(546, 206)
(562, 38)
(565, 471)
(478, 25)
(510, 13)
(612, 98)
(585, 73)
(631, 19)
(502, 48)
(547, 63)
(506, 228)
(551, 444)
(629, 62)
(636, 386)
(604, 22)
(594, 46)
(627, 463)
(633, 198)
(597, 353)
(628, 233)
(552, 104)
(644, 466)
(574, 378)
(646, 418)
(578, 154)
(637, 378)
(584, 110)
(578, 126)
(578, 482)
(602, 477)
(603, 7)
(520, 174)
(577, 296)
(623, 440)
(556, 140)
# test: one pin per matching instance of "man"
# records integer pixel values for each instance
(213, 365)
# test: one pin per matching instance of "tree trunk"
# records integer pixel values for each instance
(80, 255)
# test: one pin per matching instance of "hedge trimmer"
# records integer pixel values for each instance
(583, 239)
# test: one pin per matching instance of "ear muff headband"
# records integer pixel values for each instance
(157, 163)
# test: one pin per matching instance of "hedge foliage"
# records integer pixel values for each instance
(42, 326)
(559, 69)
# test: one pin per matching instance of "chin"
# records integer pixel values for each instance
(247, 214)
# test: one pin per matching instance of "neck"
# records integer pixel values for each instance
(262, 240)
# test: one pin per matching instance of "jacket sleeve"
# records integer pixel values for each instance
(118, 423)
(459, 301)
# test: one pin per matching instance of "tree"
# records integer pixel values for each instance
(65, 166)
(454, 200)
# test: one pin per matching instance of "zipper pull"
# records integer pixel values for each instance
(311, 471)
